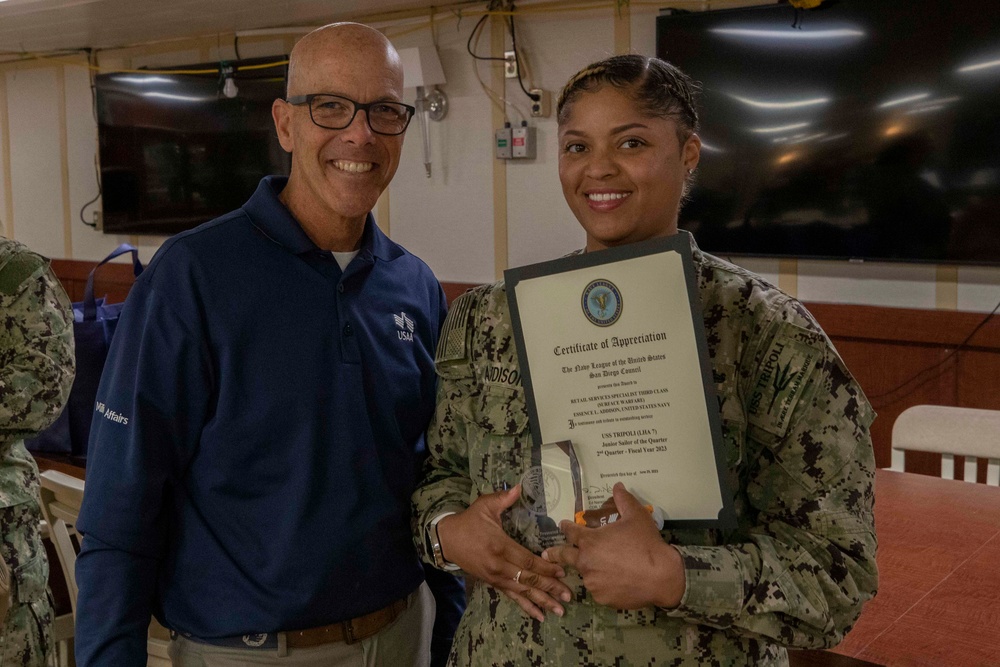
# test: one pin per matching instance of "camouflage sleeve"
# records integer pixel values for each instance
(446, 485)
(805, 562)
(36, 346)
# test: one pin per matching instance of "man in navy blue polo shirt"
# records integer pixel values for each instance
(260, 420)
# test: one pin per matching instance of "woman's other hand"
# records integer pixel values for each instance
(625, 564)
(475, 541)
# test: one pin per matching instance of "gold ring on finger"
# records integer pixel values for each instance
(517, 577)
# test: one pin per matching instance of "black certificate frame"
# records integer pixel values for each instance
(681, 244)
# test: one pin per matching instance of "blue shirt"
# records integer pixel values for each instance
(256, 436)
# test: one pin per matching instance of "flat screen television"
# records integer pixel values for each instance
(176, 151)
(864, 129)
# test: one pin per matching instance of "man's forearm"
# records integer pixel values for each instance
(115, 605)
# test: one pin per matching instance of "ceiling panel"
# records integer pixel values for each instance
(48, 25)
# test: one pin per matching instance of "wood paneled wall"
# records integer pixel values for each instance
(904, 357)
(113, 280)
(901, 356)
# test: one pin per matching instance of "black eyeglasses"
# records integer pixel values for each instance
(334, 112)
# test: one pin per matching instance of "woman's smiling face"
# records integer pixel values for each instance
(623, 171)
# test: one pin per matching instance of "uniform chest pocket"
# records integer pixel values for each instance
(732, 415)
(30, 581)
(506, 439)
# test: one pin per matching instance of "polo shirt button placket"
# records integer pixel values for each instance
(348, 330)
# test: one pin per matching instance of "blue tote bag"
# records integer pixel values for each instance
(94, 323)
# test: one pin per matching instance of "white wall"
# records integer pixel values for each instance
(447, 219)
(978, 288)
(540, 224)
(47, 172)
(33, 107)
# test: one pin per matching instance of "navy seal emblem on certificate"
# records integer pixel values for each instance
(602, 302)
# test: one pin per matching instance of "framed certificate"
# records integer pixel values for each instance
(614, 361)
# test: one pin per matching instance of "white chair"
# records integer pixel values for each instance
(62, 496)
(950, 431)
(62, 625)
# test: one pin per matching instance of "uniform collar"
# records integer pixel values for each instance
(273, 219)
(696, 252)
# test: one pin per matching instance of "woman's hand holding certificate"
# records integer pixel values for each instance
(624, 564)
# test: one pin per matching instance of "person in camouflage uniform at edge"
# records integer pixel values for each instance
(36, 372)
(801, 561)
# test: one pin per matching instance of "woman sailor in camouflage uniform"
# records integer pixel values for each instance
(36, 372)
(801, 561)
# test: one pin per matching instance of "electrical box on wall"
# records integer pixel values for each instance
(541, 104)
(515, 143)
(510, 64)
(502, 143)
(523, 142)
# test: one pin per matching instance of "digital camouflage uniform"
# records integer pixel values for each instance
(801, 561)
(36, 372)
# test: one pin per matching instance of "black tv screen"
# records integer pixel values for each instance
(864, 129)
(176, 151)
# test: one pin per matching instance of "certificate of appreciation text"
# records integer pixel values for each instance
(614, 359)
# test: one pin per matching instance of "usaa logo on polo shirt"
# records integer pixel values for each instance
(602, 302)
(404, 326)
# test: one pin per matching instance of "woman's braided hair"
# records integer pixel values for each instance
(660, 88)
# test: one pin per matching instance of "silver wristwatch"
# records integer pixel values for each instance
(435, 545)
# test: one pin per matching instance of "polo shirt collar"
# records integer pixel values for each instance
(269, 215)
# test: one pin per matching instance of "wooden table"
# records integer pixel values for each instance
(938, 602)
